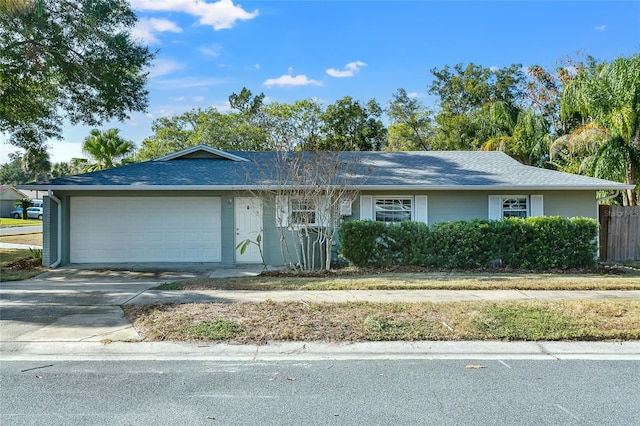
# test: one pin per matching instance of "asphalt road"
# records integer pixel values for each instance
(366, 392)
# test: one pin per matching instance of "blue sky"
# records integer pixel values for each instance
(293, 50)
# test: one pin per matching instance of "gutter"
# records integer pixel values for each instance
(609, 197)
(59, 233)
(147, 187)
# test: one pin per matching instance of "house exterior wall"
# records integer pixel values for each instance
(442, 206)
(271, 238)
(8, 201)
(49, 231)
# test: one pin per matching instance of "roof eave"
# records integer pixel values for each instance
(134, 187)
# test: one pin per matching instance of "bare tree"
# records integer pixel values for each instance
(311, 192)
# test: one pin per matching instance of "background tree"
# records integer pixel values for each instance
(296, 126)
(410, 127)
(37, 162)
(68, 60)
(107, 149)
(68, 168)
(12, 172)
(466, 94)
(350, 126)
(226, 131)
(608, 95)
(522, 134)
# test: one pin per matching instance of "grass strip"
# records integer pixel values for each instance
(258, 323)
(31, 239)
(416, 281)
(17, 223)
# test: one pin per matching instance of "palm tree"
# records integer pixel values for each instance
(36, 161)
(608, 97)
(24, 204)
(522, 134)
(107, 148)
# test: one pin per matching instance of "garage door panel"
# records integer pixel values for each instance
(156, 229)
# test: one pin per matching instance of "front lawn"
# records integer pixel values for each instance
(17, 265)
(258, 323)
(13, 223)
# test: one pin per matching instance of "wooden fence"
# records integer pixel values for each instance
(619, 233)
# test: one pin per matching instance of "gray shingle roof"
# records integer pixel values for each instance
(433, 170)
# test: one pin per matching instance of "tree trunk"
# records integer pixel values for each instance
(631, 181)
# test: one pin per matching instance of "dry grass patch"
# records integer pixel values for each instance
(417, 281)
(364, 321)
(28, 239)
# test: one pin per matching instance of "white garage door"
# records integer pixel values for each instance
(141, 229)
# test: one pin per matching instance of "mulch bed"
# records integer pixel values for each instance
(23, 264)
(348, 271)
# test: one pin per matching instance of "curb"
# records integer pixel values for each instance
(318, 351)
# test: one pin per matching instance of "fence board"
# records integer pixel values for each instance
(619, 233)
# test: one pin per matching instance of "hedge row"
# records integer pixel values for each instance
(537, 243)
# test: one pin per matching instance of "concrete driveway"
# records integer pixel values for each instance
(65, 307)
(76, 304)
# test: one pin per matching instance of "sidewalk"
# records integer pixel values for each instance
(380, 296)
(18, 246)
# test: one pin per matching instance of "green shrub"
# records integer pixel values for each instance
(537, 243)
(35, 253)
(408, 243)
(362, 240)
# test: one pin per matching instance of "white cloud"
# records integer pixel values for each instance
(149, 115)
(188, 82)
(494, 68)
(349, 70)
(224, 107)
(65, 151)
(289, 80)
(178, 99)
(198, 98)
(164, 67)
(147, 28)
(414, 95)
(212, 50)
(601, 27)
(220, 15)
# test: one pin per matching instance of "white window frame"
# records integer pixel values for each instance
(518, 200)
(393, 199)
(284, 211)
(312, 208)
(534, 205)
(419, 206)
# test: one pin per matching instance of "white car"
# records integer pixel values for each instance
(32, 213)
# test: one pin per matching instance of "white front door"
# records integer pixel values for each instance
(248, 217)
